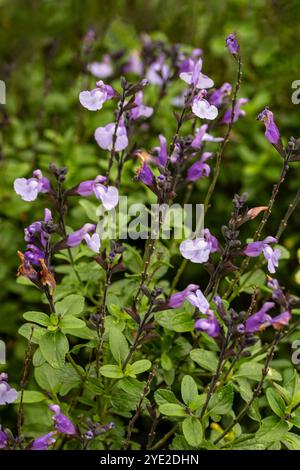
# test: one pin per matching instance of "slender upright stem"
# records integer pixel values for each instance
(101, 321)
(114, 137)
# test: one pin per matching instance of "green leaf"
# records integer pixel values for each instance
(291, 441)
(72, 322)
(138, 367)
(31, 396)
(192, 431)
(48, 378)
(221, 402)
(112, 371)
(54, 346)
(164, 396)
(37, 317)
(197, 402)
(176, 321)
(272, 429)
(189, 389)
(253, 370)
(172, 409)
(205, 359)
(118, 345)
(84, 333)
(70, 378)
(71, 305)
(248, 281)
(90, 209)
(132, 259)
(276, 402)
(26, 329)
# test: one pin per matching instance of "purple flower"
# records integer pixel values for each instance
(218, 96)
(7, 394)
(3, 439)
(254, 249)
(281, 320)
(277, 293)
(176, 300)
(109, 195)
(237, 111)
(93, 242)
(93, 100)
(162, 153)
(102, 69)
(259, 320)
(192, 75)
(43, 442)
(62, 423)
(209, 325)
(104, 136)
(134, 64)
(158, 72)
(140, 110)
(198, 300)
(199, 169)
(202, 136)
(272, 133)
(203, 109)
(198, 250)
(29, 189)
(144, 174)
(232, 44)
(34, 254)
(75, 238)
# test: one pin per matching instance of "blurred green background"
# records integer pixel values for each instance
(42, 122)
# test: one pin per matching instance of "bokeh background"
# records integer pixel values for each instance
(42, 122)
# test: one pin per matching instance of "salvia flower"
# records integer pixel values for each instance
(254, 249)
(158, 72)
(3, 438)
(272, 133)
(198, 300)
(209, 325)
(203, 109)
(218, 96)
(192, 75)
(75, 238)
(199, 169)
(232, 44)
(203, 136)
(176, 300)
(43, 442)
(259, 320)
(134, 64)
(281, 320)
(237, 113)
(93, 100)
(29, 189)
(162, 153)
(93, 241)
(145, 174)
(199, 249)
(62, 423)
(104, 136)
(109, 195)
(140, 109)
(102, 69)
(7, 394)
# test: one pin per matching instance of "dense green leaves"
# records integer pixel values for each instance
(54, 347)
(192, 431)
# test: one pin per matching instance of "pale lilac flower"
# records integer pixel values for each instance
(158, 72)
(203, 109)
(140, 110)
(202, 136)
(209, 325)
(176, 300)
(109, 195)
(93, 242)
(259, 320)
(29, 189)
(199, 169)
(281, 320)
(102, 69)
(232, 44)
(218, 96)
(93, 100)
(272, 257)
(7, 394)
(198, 300)
(162, 153)
(43, 442)
(198, 250)
(134, 64)
(62, 423)
(3, 438)
(104, 136)
(75, 238)
(238, 112)
(254, 249)
(193, 76)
